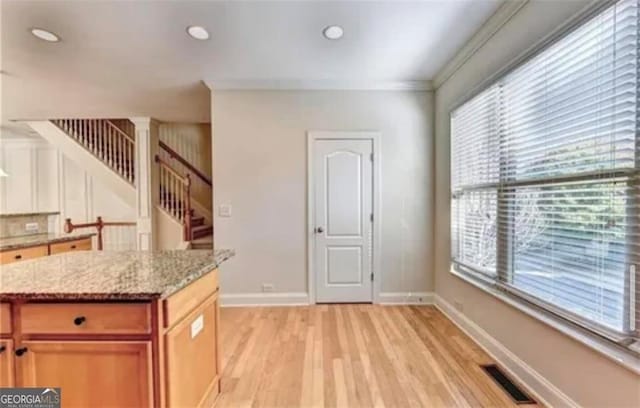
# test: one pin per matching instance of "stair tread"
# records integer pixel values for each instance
(202, 227)
(203, 240)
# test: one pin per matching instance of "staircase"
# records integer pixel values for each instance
(112, 142)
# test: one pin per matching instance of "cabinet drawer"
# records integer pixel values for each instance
(68, 246)
(5, 318)
(22, 254)
(86, 318)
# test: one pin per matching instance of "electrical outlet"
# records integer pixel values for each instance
(267, 287)
(31, 227)
(458, 305)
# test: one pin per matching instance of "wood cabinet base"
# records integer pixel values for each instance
(112, 359)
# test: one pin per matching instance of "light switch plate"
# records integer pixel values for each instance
(224, 210)
(31, 227)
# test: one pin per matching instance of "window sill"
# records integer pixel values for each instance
(626, 357)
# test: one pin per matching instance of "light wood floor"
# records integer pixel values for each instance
(351, 356)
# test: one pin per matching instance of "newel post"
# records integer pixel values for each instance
(147, 181)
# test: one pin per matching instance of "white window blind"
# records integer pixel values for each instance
(545, 175)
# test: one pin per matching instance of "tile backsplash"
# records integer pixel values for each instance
(15, 225)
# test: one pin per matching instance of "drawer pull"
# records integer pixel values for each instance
(18, 257)
(79, 320)
(21, 351)
(2, 348)
(73, 247)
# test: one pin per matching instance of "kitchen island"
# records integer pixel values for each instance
(114, 329)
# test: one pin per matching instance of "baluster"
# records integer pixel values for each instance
(100, 138)
(120, 154)
(165, 203)
(112, 159)
(175, 196)
(181, 202)
(162, 187)
(87, 133)
(114, 152)
(84, 133)
(109, 145)
(105, 142)
(103, 151)
(90, 134)
(93, 136)
(187, 211)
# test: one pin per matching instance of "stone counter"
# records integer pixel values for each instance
(122, 275)
(27, 241)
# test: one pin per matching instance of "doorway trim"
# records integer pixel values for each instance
(376, 247)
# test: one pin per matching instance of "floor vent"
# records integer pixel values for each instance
(517, 395)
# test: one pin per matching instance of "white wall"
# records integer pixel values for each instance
(260, 168)
(42, 179)
(587, 377)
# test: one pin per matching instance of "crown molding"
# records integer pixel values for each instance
(508, 9)
(317, 85)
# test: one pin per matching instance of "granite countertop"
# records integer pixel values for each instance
(27, 241)
(29, 214)
(96, 275)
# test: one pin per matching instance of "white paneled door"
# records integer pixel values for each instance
(342, 219)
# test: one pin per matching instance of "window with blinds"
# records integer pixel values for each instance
(545, 176)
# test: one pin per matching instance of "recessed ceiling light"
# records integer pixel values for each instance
(45, 35)
(198, 32)
(333, 32)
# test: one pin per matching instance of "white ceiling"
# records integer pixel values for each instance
(128, 58)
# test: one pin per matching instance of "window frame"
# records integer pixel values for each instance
(504, 256)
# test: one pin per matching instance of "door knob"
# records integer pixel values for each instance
(21, 351)
(319, 230)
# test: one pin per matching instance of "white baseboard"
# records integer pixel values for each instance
(406, 298)
(543, 390)
(263, 299)
(302, 299)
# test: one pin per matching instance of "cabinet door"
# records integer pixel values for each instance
(191, 360)
(90, 373)
(7, 375)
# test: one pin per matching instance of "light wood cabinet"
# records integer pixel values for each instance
(7, 375)
(90, 373)
(136, 353)
(22, 254)
(70, 246)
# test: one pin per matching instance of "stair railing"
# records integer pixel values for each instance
(175, 195)
(98, 225)
(114, 147)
